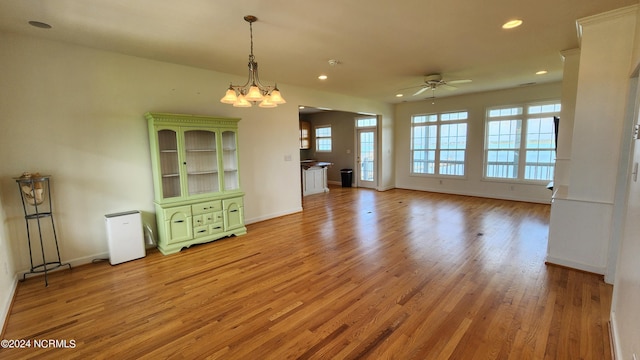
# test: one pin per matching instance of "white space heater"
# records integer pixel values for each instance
(125, 236)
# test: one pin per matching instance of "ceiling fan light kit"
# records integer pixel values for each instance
(435, 81)
(253, 91)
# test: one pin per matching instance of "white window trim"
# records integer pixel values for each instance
(375, 126)
(316, 138)
(523, 117)
(438, 149)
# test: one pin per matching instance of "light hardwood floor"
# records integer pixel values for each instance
(358, 274)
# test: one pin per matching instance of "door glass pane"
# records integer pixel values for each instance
(169, 164)
(202, 161)
(367, 155)
(230, 160)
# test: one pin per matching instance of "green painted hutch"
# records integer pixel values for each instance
(196, 179)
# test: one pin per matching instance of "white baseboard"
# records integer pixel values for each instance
(6, 303)
(73, 262)
(272, 216)
(614, 337)
(484, 195)
(383, 188)
(88, 259)
(576, 265)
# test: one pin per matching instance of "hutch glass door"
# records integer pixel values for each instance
(201, 162)
(230, 160)
(169, 163)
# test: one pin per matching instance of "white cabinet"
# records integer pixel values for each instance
(314, 180)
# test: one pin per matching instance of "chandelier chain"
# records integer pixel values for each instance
(251, 36)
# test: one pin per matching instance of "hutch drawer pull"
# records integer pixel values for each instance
(201, 231)
(234, 210)
(179, 221)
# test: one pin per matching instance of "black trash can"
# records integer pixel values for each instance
(347, 177)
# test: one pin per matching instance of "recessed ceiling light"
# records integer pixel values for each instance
(39, 24)
(541, 72)
(322, 77)
(399, 95)
(512, 24)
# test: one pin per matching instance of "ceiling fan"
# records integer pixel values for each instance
(435, 81)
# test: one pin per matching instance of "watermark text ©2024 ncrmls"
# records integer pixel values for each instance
(38, 343)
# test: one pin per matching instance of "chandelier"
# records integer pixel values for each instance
(252, 91)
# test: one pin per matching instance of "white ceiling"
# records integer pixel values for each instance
(382, 45)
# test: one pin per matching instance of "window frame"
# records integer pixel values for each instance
(360, 119)
(522, 134)
(437, 150)
(318, 138)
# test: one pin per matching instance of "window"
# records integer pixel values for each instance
(438, 143)
(504, 145)
(323, 138)
(366, 122)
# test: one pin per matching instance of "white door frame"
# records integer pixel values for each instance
(357, 173)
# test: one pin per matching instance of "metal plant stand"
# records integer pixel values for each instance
(36, 203)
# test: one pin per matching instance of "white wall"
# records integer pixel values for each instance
(473, 183)
(625, 310)
(7, 278)
(77, 114)
(600, 106)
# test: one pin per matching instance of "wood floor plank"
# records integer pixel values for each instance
(358, 274)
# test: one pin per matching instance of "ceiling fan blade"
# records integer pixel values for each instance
(412, 87)
(424, 88)
(461, 81)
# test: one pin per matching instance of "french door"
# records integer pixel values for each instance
(366, 162)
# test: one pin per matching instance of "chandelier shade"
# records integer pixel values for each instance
(230, 97)
(253, 91)
(242, 102)
(267, 102)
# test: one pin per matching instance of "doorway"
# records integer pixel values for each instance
(366, 171)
